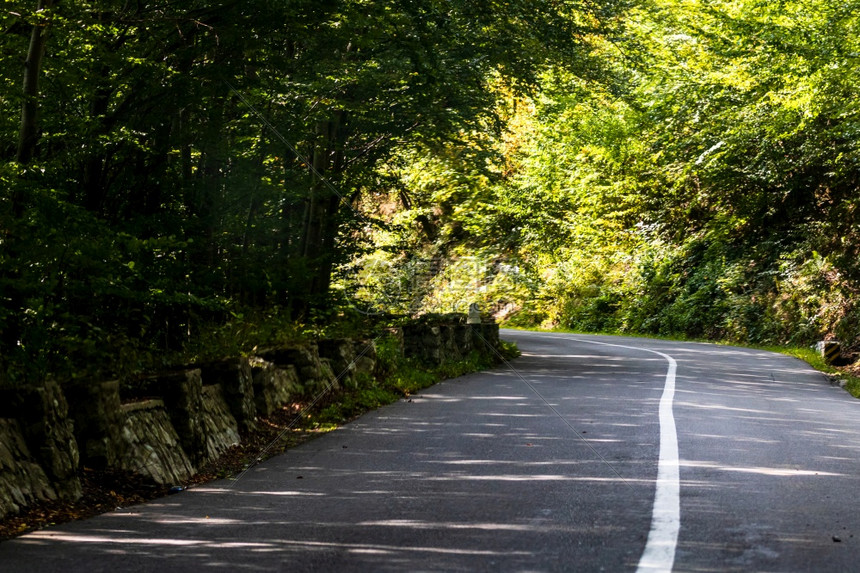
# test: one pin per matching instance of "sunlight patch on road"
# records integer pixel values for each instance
(771, 472)
(417, 524)
(736, 439)
(276, 493)
(534, 478)
(197, 521)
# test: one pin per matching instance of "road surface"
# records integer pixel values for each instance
(549, 464)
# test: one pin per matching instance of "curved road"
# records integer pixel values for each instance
(548, 465)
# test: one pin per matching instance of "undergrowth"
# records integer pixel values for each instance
(814, 359)
(399, 378)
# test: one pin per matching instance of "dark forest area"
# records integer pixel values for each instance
(194, 179)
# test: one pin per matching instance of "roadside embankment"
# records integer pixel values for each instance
(163, 428)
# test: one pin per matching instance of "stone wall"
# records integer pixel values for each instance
(435, 339)
(314, 372)
(22, 480)
(236, 379)
(350, 360)
(98, 421)
(273, 385)
(41, 414)
(220, 429)
(167, 425)
(149, 445)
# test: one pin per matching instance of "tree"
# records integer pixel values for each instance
(171, 185)
(706, 187)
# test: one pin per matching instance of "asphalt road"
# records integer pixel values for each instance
(549, 465)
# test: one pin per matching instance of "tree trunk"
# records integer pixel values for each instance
(331, 223)
(28, 135)
(320, 221)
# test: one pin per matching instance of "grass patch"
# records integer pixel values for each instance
(399, 378)
(814, 359)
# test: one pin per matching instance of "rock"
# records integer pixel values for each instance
(22, 480)
(152, 446)
(236, 378)
(273, 386)
(485, 338)
(306, 360)
(328, 379)
(184, 418)
(220, 428)
(423, 342)
(95, 410)
(42, 411)
(341, 356)
(463, 339)
(365, 358)
(182, 392)
(435, 339)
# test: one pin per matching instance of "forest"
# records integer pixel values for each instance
(197, 178)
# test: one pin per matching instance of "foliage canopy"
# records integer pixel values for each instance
(169, 168)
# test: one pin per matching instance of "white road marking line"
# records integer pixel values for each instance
(659, 553)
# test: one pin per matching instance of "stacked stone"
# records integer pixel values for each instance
(315, 373)
(22, 480)
(43, 414)
(167, 425)
(236, 378)
(274, 385)
(220, 429)
(150, 444)
(440, 338)
(96, 410)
